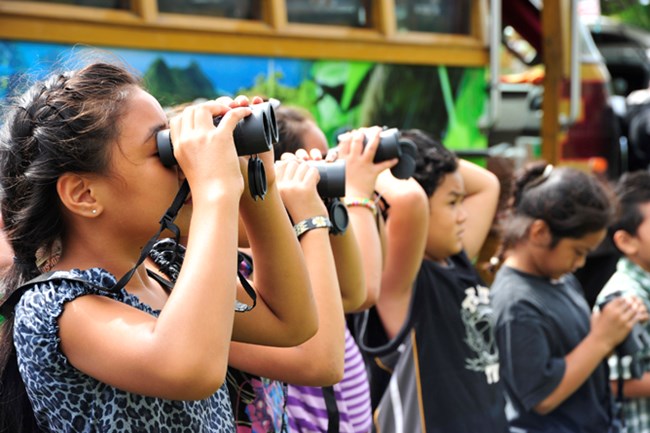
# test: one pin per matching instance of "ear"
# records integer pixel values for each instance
(77, 195)
(539, 233)
(627, 243)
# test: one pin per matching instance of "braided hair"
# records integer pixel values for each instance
(64, 123)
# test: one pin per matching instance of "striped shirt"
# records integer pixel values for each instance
(306, 406)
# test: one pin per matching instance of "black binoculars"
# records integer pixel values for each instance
(332, 178)
(255, 133)
(392, 145)
(636, 342)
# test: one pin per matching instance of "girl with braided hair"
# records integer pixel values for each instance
(83, 190)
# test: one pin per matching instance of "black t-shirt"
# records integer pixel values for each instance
(538, 322)
(451, 352)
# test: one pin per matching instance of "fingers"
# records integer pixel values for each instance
(239, 101)
(332, 154)
(232, 117)
(302, 154)
(315, 155)
(357, 143)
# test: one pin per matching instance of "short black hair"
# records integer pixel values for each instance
(433, 161)
(632, 190)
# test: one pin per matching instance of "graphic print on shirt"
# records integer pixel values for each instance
(476, 314)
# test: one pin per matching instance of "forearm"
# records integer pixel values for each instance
(580, 364)
(324, 352)
(482, 188)
(634, 388)
(406, 232)
(204, 292)
(349, 269)
(280, 276)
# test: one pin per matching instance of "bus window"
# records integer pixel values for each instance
(437, 16)
(239, 9)
(106, 4)
(348, 13)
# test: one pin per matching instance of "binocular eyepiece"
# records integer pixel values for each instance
(392, 145)
(255, 133)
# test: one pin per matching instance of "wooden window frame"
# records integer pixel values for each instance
(144, 27)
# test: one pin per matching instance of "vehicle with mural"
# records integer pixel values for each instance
(398, 63)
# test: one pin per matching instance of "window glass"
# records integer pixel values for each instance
(240, 9)
(437, 16)
(106, 4)
(349, 13)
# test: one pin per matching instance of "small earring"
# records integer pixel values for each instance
(94, 211)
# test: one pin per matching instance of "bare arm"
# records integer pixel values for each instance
(324, 352)
(609, 328)
(482, 189)
(406, 234)
(285, 314)
(361, 176)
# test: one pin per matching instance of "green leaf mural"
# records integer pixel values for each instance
(172, 86)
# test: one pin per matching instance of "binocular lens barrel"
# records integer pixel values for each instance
(253, 134)
(391, 145)
(332, 178)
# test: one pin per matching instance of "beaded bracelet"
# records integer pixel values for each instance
(363, 202)
(316, 222)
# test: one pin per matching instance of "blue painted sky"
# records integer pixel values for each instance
(228, 73)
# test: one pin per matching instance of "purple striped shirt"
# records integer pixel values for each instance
(306, 407)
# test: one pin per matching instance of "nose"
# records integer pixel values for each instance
(462, 214)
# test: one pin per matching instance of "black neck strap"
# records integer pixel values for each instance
(166, 223)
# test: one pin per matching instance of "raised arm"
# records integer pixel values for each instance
(406, 235)
(361, 175)
(285, 314)
(324, 352)
(481, 200)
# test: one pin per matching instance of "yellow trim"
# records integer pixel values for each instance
(416, 361)
(145, 28)
(382, 365)
(375, 420)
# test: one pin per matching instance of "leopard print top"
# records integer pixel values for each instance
(66, 400)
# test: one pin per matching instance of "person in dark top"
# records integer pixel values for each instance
(429, 342)
(551, 348)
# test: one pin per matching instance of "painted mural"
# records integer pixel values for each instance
(447, 102)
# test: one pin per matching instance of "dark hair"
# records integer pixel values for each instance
(433, 161)
(632, 190)
(292, 124)
(62, 124)
(571, 202)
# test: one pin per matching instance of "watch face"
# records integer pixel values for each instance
(339, 216)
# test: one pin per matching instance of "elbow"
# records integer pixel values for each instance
(192, 382)
(327, 371)
(544, 408)
(372, 295)
(413, 197)
(297, 335)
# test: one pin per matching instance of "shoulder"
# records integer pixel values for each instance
(63, 286)
(40, 306)
(515, 295)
